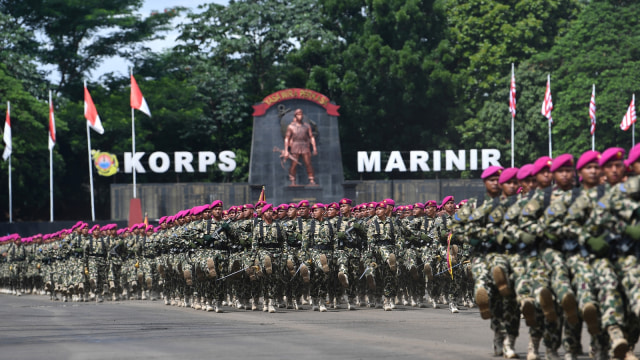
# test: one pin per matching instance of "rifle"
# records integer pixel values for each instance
(283, 159)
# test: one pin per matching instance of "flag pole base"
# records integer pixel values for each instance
(135, 211)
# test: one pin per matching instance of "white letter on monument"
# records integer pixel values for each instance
(227, 161)
(451, 158)
(130, 162)
(205, 158)
(182, 159)
(153, 162)
(395, 162)
(436, 160)
(418, 159)
(490, 157)
(368, 164)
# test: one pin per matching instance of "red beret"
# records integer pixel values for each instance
(260, 203)
(540, 164)
(634, 154)
(381, 204)
(431, 203)
(303, 203)
(333, 205)
(389, 202)
(346, 201)
(587, 157)
(283, 207)
(248, 206)
(447, 199)
(418, 205)
(560, 161)
(266, 208)
(216, 203)
(525, 171)
(491, 171)
(293, 205)
(614, 153)
(507, 174)
(372, 204)
(318, 206)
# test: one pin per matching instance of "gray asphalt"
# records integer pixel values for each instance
(32, 327)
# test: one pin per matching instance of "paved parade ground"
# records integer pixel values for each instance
(32, 327)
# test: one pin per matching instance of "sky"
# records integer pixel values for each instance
(119, 65)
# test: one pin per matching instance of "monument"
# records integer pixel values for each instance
(295, 148)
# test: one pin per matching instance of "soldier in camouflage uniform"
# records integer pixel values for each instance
(429, 253)
(611, 240)
(442, 228)
(267, 249)
(248, 287)
(316, 234)
(350, 237)
(380, 256)
(96, 250)
(412, 250)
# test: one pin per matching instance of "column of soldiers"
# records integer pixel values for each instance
(555, 242)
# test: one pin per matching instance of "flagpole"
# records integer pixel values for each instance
(550, 140)
(10, 190)
(513, 115)
(133, 143)
(593, 136)
(10, 198)
(93, 211)
(50, 165)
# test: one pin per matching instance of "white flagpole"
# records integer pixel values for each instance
(93, 210)
(133, 143)
(593, 136)
(512, 121)
(550, 153)
(633, 126)
(50, 167)
(10, 190)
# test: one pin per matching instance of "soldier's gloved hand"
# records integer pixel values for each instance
(598, 245)
(551, 236)
(444, 234)
(526, 238)
(207, 237)
(425, 237)
(358, 226)
(341, 235)
(225, 226)
(633, 231)
(411, 238)
(299, 237)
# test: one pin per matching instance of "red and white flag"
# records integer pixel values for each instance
(90, 112)
(52, 124)
(547, 104)
(512, 94)
(7, 134)
(137, 100)
(630, 117)
(592, 110)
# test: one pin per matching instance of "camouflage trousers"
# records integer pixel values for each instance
(383, 274)
(428, 256)
(582, 280)
(98, 272)
(322, 273)
(529, 285)
(413, 274)
(292, 278)
(269, 280)
(629, 275)
(452, 286)
(239, 285)
(210, 267)
(561, 287)
(609, 297)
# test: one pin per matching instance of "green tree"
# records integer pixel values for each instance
(78, 35)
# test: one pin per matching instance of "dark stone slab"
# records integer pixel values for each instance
(265, 167)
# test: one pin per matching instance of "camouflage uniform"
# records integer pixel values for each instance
(380, 257)
(97, 251)
(350, 237)
(267, 249)
(450, 284)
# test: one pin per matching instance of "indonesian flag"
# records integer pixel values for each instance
(90, 112)
(547, 104)
(592, 110)
(7, 134)
(630, 117)
(137, 100)
(52, 124)
(512, 94)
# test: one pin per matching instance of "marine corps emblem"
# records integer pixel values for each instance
(105, 163)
